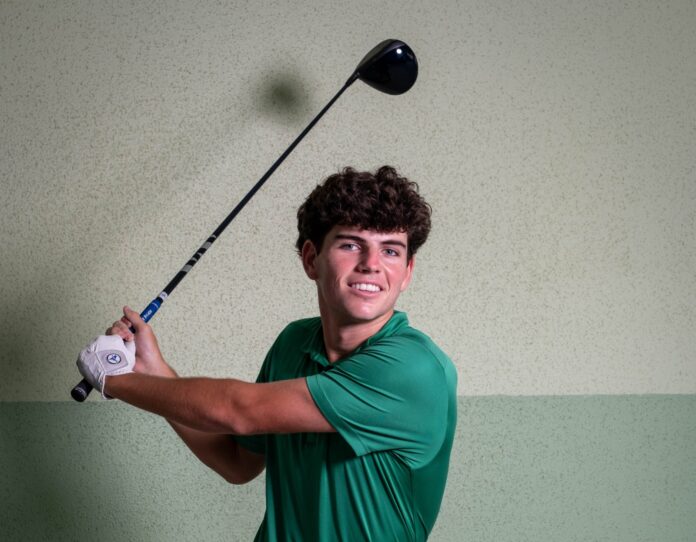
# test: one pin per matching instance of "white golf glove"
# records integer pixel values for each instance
(107, 355)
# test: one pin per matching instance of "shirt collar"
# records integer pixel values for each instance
(314, 346)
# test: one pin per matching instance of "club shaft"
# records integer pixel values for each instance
(83, 389)
(221, 228)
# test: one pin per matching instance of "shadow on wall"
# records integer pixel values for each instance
(282, 96)
(52, 476)
(107, 471)
(44, 294)
(56, 482)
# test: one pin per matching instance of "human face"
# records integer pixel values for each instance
(359, 274)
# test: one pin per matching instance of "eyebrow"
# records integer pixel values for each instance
(395, 242)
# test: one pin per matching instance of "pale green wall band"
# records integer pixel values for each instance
(537, 469)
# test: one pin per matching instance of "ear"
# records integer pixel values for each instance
(309, 257)
(409, 274)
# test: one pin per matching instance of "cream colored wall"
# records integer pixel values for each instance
(555, 142)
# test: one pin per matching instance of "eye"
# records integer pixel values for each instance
(391, 252)
(349, 246)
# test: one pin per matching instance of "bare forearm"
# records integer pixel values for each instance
(219, 452)
(222, 454)
(199, 410)
(223, 406)
(203, 404)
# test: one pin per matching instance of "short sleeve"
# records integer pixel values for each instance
(391, 395)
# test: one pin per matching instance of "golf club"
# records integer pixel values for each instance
(390, 67)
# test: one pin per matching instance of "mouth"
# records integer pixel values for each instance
(365, 287)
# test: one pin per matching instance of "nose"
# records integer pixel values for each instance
(369, 261)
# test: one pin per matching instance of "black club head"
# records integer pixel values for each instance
(390, 67)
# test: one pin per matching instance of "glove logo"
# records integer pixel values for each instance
(114, 359)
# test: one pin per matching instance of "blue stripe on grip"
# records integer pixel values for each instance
(151, 309)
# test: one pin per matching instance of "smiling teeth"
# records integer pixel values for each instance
(366, 287)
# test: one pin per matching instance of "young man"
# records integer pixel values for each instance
(353, 413)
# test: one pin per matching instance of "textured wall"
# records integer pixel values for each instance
(555, 141)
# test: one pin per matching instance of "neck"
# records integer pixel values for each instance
(342, 339)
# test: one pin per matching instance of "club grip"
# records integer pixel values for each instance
(83, 389)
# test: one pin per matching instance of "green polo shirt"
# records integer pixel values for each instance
(382, 475)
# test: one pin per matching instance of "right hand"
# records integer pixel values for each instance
(148, 357)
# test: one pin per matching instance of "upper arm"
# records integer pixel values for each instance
(394, 398)
(285, 406)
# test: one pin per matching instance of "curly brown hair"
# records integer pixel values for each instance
(382, 202)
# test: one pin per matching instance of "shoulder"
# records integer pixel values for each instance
(285, 359)
(297, 336)
(300, 329)
(412, 351)
(414, 344)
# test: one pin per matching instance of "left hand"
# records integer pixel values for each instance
(107, 355)
(149, 358)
